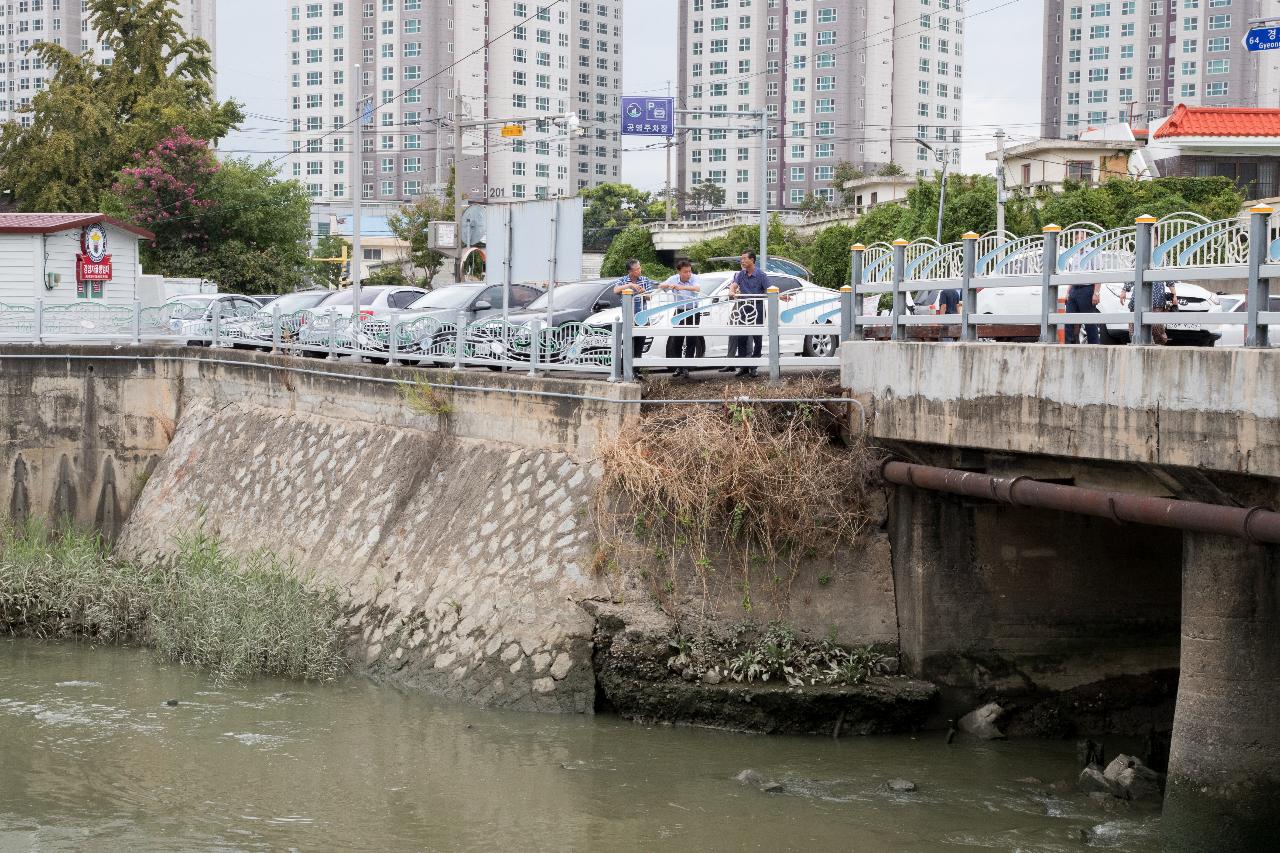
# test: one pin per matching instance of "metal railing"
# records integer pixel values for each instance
(798, 328)
(1180, 247)
(493, 343)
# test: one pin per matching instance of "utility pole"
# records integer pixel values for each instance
(941, 157)
(670, 139)
(357, 256)
(1000, 183)
(457, 182)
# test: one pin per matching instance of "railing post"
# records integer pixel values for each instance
(217, 323)
(535, 329)
(333, 336)
(1257, 297)
(393, 340)
(968, 332)
(615, 352)
(460, 338)
(775, 338)
(275, 328)
(846, 313)
(1048, 293)
(137, 321)
(39, 326)
(899, 295)
(628, 332)
(1141, 287)
(855, 281)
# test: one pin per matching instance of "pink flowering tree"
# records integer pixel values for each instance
(168, 190)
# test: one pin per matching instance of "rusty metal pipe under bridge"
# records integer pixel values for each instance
(1255, 524)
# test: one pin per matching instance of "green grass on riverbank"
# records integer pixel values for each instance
(233, 618)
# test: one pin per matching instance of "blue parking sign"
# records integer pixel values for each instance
(648, 116)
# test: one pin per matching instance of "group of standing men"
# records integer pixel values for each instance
(747, 290)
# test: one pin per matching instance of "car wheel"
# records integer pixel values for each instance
(377, 359)
(820, 346)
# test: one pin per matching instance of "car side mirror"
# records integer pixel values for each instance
(483, 305)
(600, 306)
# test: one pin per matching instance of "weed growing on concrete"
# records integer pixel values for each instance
(754, 485)
(775, 653)
(422, 397)
(234, 618)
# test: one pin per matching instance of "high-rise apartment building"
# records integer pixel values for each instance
(536, 61)
(26, 23)
(839, 80)
(1134, 60)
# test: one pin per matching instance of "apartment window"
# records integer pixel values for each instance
(1188, 69)
(1073, 99)
(1073, 78)
(824, 128)
(1073, 55)
(1188, 90)
(1126, 51)
(1097, 96)
(828, 60)
(1218, 66)
(1219, 22)
(826, 16)
(1075, 13)
(1190, 25)
(1100, 31)
(1074, 34)
(1217, 89)
(1129, 7)
(412, 26)
(824, 150)
(1219, 44)
(1126, 72)
(925, 43)
(824, 105)
(826, 38)
(1127, 30)
(1190, 45)
(1098, 54)
(1099, 10)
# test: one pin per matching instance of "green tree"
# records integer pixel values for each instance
(248, 232)
(813, 203)
(410, 223)
(388, 274)
(706, 194)
(743, 238)
(844, 173)
(94, 119)
(329, 273)
(890, 169)
(829, 256)
(634, 242)
(881, 224)
(609, 209)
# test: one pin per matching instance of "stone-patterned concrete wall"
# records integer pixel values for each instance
(463, 560)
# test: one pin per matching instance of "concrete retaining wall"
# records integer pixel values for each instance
(1205, 408)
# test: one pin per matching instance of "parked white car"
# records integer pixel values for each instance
(192, 315)
(1233, 335)
(803, 303)
(1192, 299)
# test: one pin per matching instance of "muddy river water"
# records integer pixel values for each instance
(93, 759)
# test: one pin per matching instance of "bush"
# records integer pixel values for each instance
(634, 242)
(202, 607)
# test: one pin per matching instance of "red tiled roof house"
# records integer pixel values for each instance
(1234, 142)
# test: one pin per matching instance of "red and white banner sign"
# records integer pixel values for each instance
(88, 270)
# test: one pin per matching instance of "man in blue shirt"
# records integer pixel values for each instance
(747, 291)
(684, 286)
(636, 282)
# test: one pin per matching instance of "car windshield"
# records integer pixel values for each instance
(453, 296)
(343, 297)
(295, 301)
(192, 301)
(711, 282)
(579, 295)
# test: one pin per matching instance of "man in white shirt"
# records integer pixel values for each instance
(684, 286)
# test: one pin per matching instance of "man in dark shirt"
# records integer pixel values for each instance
(949, 300)
(747, 291)
(642, 287)
(1082, 299)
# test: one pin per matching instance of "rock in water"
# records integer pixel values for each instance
(172, 703)
(772, 788)
(901, 786)
(750, 777)
(711, 677)
(1091, 780)
(981, 722)
(1131, 779)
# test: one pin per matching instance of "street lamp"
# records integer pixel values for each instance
(942, 195)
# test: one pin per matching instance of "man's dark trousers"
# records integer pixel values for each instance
(1080, 301)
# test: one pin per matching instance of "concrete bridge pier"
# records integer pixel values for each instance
(1224, 765)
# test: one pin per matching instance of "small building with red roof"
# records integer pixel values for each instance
(1240, 143)
(64, 258)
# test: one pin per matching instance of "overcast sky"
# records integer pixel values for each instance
(1002, 74)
